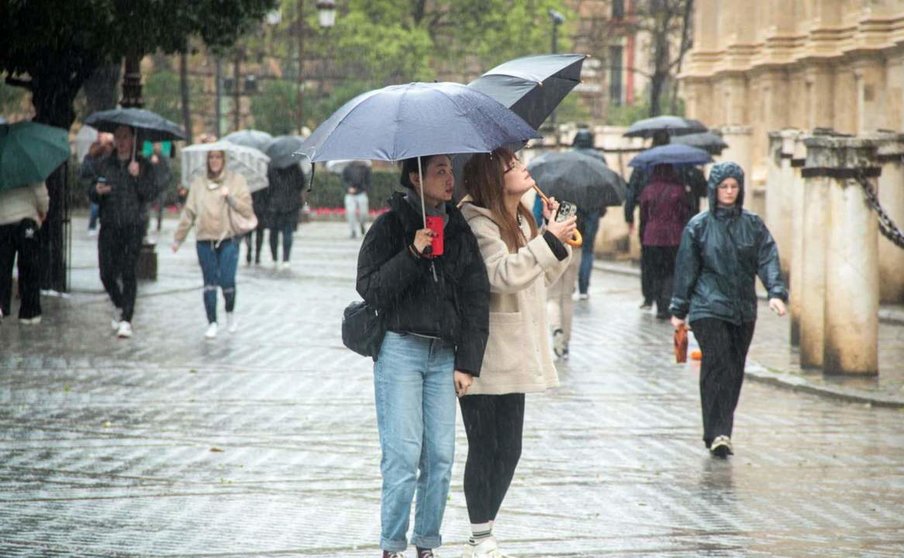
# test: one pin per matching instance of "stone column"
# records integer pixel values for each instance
(811, 282)
(779, 192)
(798, 159)
(850, 306)
(890, 155)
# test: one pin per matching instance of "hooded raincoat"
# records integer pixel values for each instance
(722, 252)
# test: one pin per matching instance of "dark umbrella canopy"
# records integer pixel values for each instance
(709, 141)
(282, 151)
(416, 119)
(578, 178)
(250, 138)
(29, 152)
(532, 86)
(671, 154)
(674, 125)
(150, 125)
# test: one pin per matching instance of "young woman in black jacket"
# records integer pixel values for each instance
(437, 312)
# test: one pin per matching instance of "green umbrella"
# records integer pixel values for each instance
(29, 152)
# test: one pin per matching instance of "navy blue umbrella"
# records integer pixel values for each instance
(150, 125)
(671, 154)
(403, 121)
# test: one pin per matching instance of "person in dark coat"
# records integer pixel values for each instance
(588, 217)
(722, 252)
(694, 183)
(261, 200)
(664, 211)
(436, 308)
(356, 177)
(122, 186)
(285, 193)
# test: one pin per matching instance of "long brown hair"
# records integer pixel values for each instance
(484, 180)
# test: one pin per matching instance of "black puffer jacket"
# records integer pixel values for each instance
(722, 252)
(453, 304)
(125, 204)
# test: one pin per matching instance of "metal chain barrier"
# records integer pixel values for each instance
(886, 226)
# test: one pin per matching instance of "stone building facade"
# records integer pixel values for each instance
(758, 67)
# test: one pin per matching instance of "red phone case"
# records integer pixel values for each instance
(435, 223)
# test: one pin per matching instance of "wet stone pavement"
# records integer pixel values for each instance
(264, 444)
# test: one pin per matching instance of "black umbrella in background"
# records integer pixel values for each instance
(581, 179)
(149, 125)
(282, 151)
(532, 86)
(674, 125)
(713, 143)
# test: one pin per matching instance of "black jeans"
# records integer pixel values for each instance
(117, 251)
(646, 275)
(258, 235)
(494, 425)
(21, 239)
(661, 271)
(287, 231)
(724, 346)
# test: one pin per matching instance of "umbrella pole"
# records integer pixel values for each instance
(420, 174)
(540, 193)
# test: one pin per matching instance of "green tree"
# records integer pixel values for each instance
(51, 47)
(161, 94)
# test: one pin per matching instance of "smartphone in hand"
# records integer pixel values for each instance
(566, 210)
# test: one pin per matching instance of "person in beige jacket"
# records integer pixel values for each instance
(210, 199)
(521, 261)
(22, 210)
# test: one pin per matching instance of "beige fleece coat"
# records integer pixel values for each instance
(205, 207)
(26, 202)
(518, 358)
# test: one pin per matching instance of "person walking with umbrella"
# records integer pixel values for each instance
(122, 184)
(722, 252)
(210, 199)
(22, 210)
(285, 199)
(664, 212)
(434, 301)
(521, 261)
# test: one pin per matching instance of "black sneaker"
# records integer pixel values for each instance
(424, 553)
(646, 305)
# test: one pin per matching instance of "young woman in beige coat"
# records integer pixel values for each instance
(218, 250)
(521, 261)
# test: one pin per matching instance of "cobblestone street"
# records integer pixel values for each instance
(264, 444)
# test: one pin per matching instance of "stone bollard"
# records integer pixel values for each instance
(891, 196)
(844, 252)
(811, 282)
(798, 159)
(780, 193)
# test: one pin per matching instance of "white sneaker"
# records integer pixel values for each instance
(283, 266)
(211, 332)
(30, 321)
(117, 317)
(232, 324)
(124, 331)
(487, 548)
(721, 447)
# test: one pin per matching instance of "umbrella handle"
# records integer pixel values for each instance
(576, 239)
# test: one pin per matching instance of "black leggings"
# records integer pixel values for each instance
(724, 346)
(494, 424)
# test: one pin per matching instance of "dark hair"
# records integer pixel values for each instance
(484, 181)
(410, 165)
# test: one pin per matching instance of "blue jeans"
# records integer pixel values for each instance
(92, 219)
(591, 225)
(415, 399)
(218, 265)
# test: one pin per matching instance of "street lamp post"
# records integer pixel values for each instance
(326, 15)
(557, 19)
